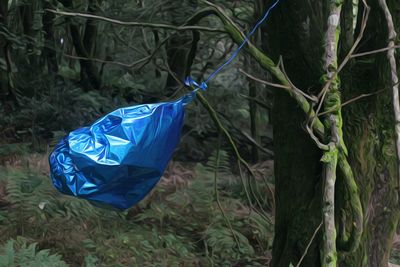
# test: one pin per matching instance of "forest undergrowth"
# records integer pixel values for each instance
(179, 224)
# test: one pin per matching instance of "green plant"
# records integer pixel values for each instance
(19, 253)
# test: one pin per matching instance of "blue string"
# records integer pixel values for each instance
(189, 81)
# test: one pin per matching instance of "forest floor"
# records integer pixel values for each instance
(181, 223)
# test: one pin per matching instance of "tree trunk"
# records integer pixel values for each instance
(296, 32)
(27, 14)
(298, 171)
(179, 47)
(89, 71)
(7, 92)
(49, 52)
(90, 35)
(369, 127)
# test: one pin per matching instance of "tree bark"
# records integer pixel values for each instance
(295, 32)
(369, 127)
(298, 171)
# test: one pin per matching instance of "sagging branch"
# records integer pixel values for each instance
(134, 23)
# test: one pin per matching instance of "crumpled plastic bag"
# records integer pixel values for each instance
(120, 158)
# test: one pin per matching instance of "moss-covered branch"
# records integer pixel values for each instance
(334, 122)
(267, 63)
(356, 211)
(333, 99)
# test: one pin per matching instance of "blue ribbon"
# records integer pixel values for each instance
(192, 83)
(189, 81)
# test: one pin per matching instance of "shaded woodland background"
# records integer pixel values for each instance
(218, 201)
(60, 73)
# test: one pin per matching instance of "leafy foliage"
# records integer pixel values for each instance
(19, 253)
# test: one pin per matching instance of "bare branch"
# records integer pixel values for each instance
(312, 98)
(372, 52)
(136, 24)
(130, 65)
(254, 142)
(142, 61)
(319, 144)
(276, 85)
(309, 244)
(350, 101)
(258, 101)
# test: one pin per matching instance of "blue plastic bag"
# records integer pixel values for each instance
(121, 157)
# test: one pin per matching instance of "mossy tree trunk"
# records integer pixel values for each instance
(298, 169)
(297, 33)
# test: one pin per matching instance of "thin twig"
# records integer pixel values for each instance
(276, 85)
(135, 23)
(263, 104)
(224, 131)
(144, 60)
(320, 145)
(372, 52)
(309, 244)
(216, 192)
(294, 87)
(350, 101)
(130, 65)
